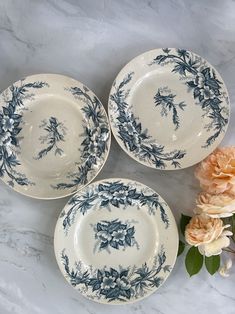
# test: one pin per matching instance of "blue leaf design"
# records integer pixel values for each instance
(131, 132)
(104, 203)
(168, 104)
(114, 245)
(117, 284)
(113, 234)
(10, 121)
(99, 227)
(104, 244)
(114, 273)
(104, 194)
(206, 89)
(131, 231)
(99, 275)
(128, 239)
(124, 273)
(55, 132)
(94, 146)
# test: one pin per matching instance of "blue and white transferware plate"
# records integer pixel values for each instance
(116, 241)
(54, 136)
(168, 108)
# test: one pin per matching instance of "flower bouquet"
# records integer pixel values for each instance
(210, 233)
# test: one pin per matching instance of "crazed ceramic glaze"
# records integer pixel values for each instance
(116, 241)
(169, 108)
(54, 136)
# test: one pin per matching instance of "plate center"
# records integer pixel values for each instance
(163, 105)
(51, 136)
(120, 237)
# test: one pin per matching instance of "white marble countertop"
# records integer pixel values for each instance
(91, 41)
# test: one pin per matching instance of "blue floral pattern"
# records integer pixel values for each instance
(95, 143)
(114, 193)
(134, 137)
(165, 99)
(116, 284)
(202, 81)
(55, 132)
(114, 234)
(11, 119)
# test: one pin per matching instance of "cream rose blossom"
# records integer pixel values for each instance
(207, 234)
(216, 173)
(216, 246)
(215, 206)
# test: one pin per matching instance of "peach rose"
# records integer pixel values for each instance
(216, 173)
(215, 205)
(207, 234)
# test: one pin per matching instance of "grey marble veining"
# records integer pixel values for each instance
(91, 41)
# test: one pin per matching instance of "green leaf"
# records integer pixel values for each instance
(184, 220)
(193, 261)
(181, 247)
(212, 263)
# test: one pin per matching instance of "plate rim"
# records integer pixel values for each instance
(128, 152)
(174, 256)
(108, 141)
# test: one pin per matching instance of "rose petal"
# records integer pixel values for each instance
(216, 173)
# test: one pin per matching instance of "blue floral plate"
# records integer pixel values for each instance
(116, 241)
(54, 136)
(168, 108)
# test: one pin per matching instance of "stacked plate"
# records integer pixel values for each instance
(116, 240)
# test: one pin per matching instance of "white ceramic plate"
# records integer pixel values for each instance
(168, 108)
(116, 241)
(54, 136)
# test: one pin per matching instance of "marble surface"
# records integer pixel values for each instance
(91, 41)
